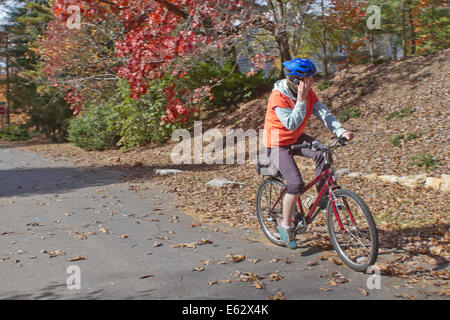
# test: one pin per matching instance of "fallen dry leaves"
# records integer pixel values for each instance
(52, 254)
(236, 258)
(413, 223)
(183, 245)
(193, 244)
(258, 285)
(198, 269)
(364, 292)
(406, 296)
(275, 277)
(248, 276)
(78, 258)
(278, 296)
(103, 229)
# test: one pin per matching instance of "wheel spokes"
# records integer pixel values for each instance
(355, 240)
(269, 195)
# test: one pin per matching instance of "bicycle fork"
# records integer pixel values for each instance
(334, 201)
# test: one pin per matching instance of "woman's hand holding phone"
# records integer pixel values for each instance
(303, 89)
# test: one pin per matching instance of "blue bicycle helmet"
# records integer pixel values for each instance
(299, 67)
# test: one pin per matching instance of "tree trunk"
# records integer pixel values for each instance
(7, 83)
(411, 25)
(371, 46)
(324, 41)
(391, 46)
(405, 53)
(283, 46)
(279, 33)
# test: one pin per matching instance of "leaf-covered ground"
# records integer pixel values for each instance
(413, 223)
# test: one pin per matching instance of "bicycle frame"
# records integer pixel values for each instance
(330, 182)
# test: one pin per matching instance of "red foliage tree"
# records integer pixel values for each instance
(345, 17)
(161, 36)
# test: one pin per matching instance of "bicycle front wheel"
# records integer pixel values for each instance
(352, 230)
(268, 193)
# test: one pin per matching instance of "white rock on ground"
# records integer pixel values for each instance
(165, 172)
(343, 171)
(220, 183)
(433, 183)
(355, 174)
(445, 183)
(412, 181)
(389, 178)
(371, 176)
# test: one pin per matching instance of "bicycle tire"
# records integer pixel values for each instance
(269, 227)
(365, 228)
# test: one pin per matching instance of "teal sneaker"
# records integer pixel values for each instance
(288, 236)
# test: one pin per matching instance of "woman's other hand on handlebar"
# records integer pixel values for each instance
(348, 135)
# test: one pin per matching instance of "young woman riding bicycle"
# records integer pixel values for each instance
(290, 106)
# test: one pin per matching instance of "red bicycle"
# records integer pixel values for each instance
(351, 227)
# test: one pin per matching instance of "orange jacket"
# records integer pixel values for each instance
(275, 133)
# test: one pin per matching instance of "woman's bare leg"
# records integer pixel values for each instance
(289, 202)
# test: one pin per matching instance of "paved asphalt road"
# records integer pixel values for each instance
(49, 207)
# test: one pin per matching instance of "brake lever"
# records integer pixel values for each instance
(315, 145)
(343, 141)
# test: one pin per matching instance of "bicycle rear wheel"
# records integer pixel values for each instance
(268, 193)
(355, 238)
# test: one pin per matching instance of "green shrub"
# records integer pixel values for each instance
(228, 86)
(396, 140)
(411, 136)
(381, 60)
(365, 82)
(138, 122)
(400, 114)
(325, 85)
(116, 120)
(348, 113)
(50, 114)
(90, 129)
(424, 160)
(15, 132)
(121, 121)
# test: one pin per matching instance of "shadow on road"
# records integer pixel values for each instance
(50, 180)
(58, 291)
(51, 292)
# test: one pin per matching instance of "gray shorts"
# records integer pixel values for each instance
(284, 161)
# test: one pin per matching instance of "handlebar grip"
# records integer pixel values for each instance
(301, 146)
(343, 141)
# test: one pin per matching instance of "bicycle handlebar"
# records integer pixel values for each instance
(316, 146)
(301, 146)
